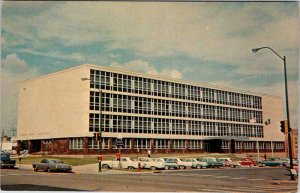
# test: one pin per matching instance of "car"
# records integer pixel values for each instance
(227, 162)
(194, 163)
(170, 163)
(211, 162)
(272, 162)
(248, 162)
(50, 165)
(124, 163)
(6, 162)
(180, 162)
(152, 164)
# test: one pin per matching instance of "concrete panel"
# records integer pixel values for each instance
(55, 105)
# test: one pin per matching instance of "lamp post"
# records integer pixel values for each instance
(254, 50)
(100, 114)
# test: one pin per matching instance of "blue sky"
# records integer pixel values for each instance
(197, 41)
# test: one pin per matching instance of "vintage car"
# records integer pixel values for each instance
(272, 162)
(247, 162)
(52, 165)
(194, 163)
(123, 163)
(180, 162)
(170, 163)
(227, 162)
(152, 164)
(6, 162)
(211, 162)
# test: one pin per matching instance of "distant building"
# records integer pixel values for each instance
(8, 144)
(59, 113)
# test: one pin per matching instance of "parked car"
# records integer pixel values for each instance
(6, 161)
(272, 162)
(52, 165)
(152, 164)
(194, 163)
(170, 163)
(211, 162)
(248, 162)
(124, 163)
(180, 162)
(227, 162)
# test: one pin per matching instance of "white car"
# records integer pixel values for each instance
(229, 163)
(124, 163)
(180, 162)
(152, 164)
(194, 163)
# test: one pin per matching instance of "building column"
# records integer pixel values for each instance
(110, 144)
(152, 142)
(19, 147)
(170, 144)
(187, 145)
(132, 141)
(30, 146)
(86, 145)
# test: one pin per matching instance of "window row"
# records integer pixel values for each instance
(139, 85)
(141, 105)
(77, 143)
(146, 125)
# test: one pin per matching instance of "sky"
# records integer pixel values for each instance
(204, 42)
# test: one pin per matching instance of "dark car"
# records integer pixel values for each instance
(52, 165)
(6, 162)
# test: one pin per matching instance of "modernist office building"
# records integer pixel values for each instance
(59, 112)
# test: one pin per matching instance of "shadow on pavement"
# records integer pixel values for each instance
(32, 187)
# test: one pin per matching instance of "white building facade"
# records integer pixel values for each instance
(59, 113)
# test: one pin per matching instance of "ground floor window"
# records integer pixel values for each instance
(162, 144)
(143, 144)
(238, 145)
(178, 144)
(279, 145)
(225, 144)
(248, 145)
(195, 144)
(93, 144)
(76, 143)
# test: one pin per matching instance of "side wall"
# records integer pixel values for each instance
(54, 106)
(273, 110)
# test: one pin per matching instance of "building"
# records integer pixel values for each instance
(59, 113)
(8, 144)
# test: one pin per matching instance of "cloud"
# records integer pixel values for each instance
(146, 68)
(14, 64)
(221, 32)
(13, 71)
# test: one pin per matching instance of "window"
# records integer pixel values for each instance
(76, 143)
(225, 145)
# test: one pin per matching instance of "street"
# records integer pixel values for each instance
(205, 180)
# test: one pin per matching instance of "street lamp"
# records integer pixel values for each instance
(254, 50)
(100, 114)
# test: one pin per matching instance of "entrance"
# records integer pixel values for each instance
(206, 147)
(212, 146)
(35, 146)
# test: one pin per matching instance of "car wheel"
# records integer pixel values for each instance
(167, 167)
(280, 165)
(232, 166)
(251, 165)
(153, 168)
(48, 170)
(264, 165)
(105, 166)
(199, 166)
(181, 167)
(35, 169)
(130, 168)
